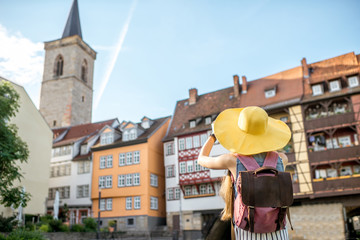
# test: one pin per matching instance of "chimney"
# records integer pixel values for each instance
(244, 84)
(192, 96)
(236, 85)
(305, 68)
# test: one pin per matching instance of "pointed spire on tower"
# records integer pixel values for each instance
(72, 26)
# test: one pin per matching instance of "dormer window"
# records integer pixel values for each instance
(126, 136)
(335, 86)
(107, 138)
(317, 89)
(145, 124)
(269, 93)
(353, 81)
(207, 120)
(84, 149)
(132, 134)
(192, 123)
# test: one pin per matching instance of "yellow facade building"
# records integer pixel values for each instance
(128, 171)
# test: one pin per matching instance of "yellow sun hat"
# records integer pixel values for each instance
(250, 131)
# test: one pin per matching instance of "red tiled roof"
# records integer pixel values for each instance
(79, 131)
(288, 86)
(142, 138)
(335, 67)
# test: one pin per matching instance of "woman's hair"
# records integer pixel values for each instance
(227, 193)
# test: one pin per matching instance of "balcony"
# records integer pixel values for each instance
(334, 154)
(291, 157)
(337, 186)
(333, 120)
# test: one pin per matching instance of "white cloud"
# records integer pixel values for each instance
(21, 60)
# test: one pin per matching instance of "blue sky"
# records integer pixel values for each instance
(171, 46)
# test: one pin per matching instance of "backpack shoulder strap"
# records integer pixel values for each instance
(249, 162)
(271, 159)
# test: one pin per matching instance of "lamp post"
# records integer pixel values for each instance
(98, 221)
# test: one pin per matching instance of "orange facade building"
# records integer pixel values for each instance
(128, 170)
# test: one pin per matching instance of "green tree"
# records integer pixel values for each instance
(12, 150)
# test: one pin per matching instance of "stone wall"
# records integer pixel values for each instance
(317, 221)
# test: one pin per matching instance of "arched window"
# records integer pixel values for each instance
(59, 65)
(84, 69)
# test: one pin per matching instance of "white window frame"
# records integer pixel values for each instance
(202, 189)
(137, 202)
(83, 149)
(170, 171)
(154, 203)
(196, 141)
(270, 93)
(136, 179)
(182, 167)
(128, 204)
(170, 194)
(122, 159)
(181, 144)
(317, 89)
(177, 193)
(345, 141)
(102, 204)
(102, 182)
(132, 134)
(109, 204)
(169, 148)
(353, 81)
(187, 191)
(334, 86)
(197, 166)
(121, 180)
(129, 158)
(190, 166)
(129, 179)
(136, 157)
(207, 120)
(153, 180)
(189, 144)
(102, 162)
(192, 123)
(210, 189)
(194, 190)
(108, 181)
(109, 161)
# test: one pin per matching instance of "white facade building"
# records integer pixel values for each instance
(192, 192)
(71, 169)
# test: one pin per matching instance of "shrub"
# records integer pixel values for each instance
(21, 234)
(104, 229)
(46, 218)
(7, 224)
(2, 237)
(30, 226)
(111, 223)
(77, 228)
(45, 228)
(55, 225)
(64, 228)
(90, 225)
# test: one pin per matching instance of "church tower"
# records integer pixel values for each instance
(67, 85)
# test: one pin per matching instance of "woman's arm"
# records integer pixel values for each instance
(225, 161)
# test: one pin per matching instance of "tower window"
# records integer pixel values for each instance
(83, 99)
(54, 123)
(59, 65)
(84, 71)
